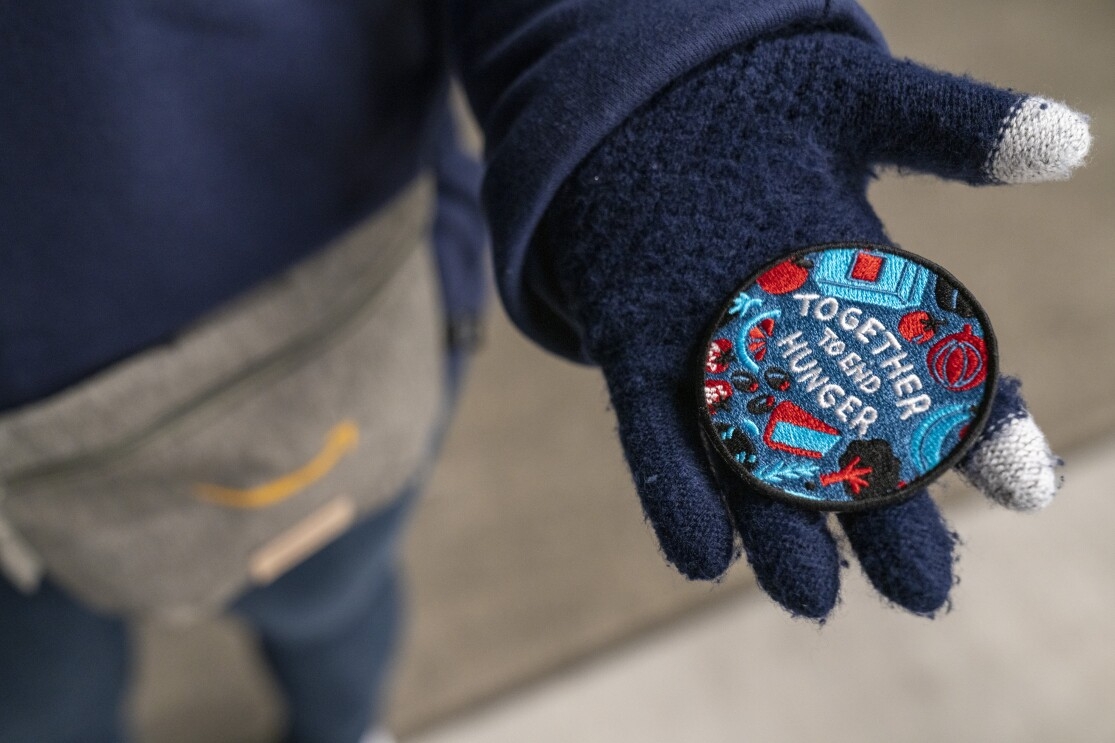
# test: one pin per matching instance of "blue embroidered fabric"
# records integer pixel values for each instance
(847, 375)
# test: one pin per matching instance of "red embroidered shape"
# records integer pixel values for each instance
(794, 430)
(959, 361)
(719, 356)
(757, 343)
(717, 394)
(867, 267)
(851, 475)
(785, 277)
(918, 326)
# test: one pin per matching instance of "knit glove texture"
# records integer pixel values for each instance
(762, 150)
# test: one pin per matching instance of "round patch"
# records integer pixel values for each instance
(847, 376)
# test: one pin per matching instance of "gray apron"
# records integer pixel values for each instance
(176, 479)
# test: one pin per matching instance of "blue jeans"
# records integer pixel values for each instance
(327, 628)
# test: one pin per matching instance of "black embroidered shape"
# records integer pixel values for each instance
(875, 456)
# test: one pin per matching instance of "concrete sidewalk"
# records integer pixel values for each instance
(1026, 655)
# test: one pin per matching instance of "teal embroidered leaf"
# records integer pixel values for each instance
(743, 304)
(777, 473)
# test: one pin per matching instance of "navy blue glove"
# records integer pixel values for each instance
(761, 151)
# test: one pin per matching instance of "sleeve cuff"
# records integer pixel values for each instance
(572, 73)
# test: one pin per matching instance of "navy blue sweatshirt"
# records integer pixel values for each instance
(157, 157)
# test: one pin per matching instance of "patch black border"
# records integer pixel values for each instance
(718, 452)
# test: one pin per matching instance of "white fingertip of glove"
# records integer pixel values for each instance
(1041, 140)
(1014, 467)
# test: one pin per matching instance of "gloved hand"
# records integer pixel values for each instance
(761, 151)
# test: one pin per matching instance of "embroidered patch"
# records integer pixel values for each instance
(847, 376)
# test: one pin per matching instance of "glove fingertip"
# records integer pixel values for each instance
(689, 519)
(1012, 463)
(709, 560)
(792, 553)
(907, 553)
(1014, 466)
(705, 552)
(1040, 140)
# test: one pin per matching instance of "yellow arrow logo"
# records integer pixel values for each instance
(340, 440)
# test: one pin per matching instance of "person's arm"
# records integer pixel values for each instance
(548, 80)
(657, 207)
